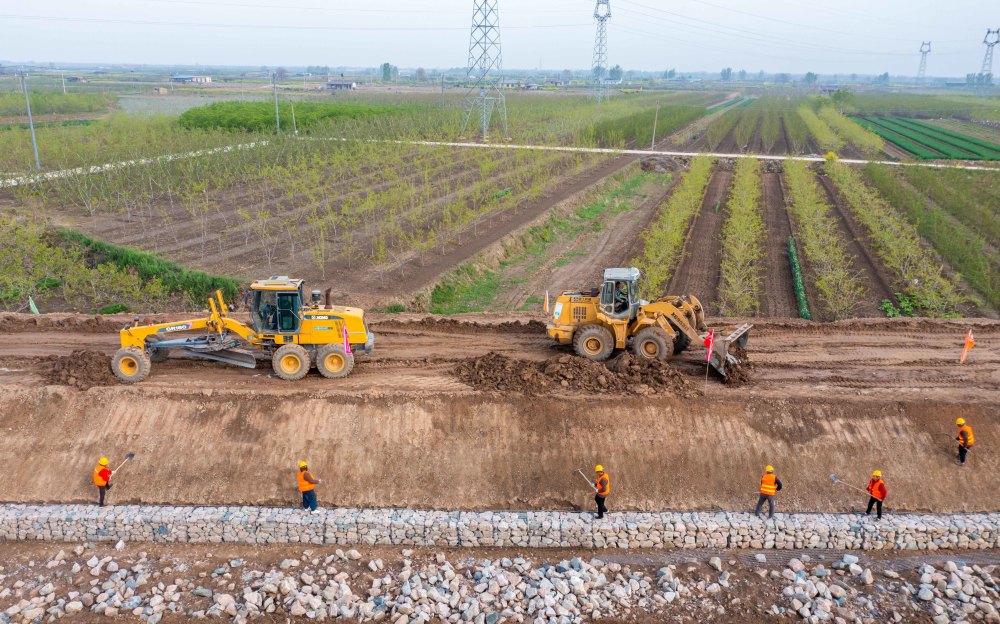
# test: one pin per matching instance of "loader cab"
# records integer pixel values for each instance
(620, 293)
(276, 305)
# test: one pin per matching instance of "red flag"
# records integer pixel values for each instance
(347, 343)
(969, 343)
(709, 343)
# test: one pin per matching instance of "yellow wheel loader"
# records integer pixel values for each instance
(293, 334)
(599, 321)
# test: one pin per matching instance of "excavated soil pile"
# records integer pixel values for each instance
(738, 374)
(623, 374)
(463, 327)
(82, 369)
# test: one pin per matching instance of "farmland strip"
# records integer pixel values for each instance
(897, 243)
(779, 297)
(741, 274)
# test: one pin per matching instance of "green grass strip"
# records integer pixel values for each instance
(176, 278)
(798, 284)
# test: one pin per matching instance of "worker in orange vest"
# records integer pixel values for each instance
(876, 487)
(102, 479)
(602, 487)
(769, 486)
(965, 439)
(307, 486)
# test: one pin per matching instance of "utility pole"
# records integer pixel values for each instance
(62, 75)
(274, 89)
(485, 66)
(295, 126)
(442, 91)
(31, 122)
(652, 142)
(925, 49)
(602, 12)
(990, 40)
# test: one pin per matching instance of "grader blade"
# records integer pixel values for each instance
(729, 345)
(226, 356)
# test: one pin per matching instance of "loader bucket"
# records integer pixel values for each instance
(730, 341)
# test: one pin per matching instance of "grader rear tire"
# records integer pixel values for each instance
(332, 361)
(652, 343)
(594, 342)
(290, 362)
(131, 364)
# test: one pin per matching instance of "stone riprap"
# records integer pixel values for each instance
(532, 529)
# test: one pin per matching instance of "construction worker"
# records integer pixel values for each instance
(307, 486)
(769, 486)
(102, 479)
(876, 487)
(965, 439)
(603, 487)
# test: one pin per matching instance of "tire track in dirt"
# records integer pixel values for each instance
(860, 247)
(779, 293)
(698, 271)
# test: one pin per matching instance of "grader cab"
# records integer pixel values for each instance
(613, 317)
(286, 329)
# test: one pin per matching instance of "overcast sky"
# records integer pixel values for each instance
(844, 36)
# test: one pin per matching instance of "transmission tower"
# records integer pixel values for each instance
(484, 95)
(602, 12)
(991, 39)
(925, 49)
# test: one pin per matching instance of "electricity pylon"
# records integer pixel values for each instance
(925, 49)
(485, 95)
(990, 40)
(602, 11)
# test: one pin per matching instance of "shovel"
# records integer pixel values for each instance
(591, 485)
(836, 479)
(128, 456)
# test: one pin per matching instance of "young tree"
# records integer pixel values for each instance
(727, 74)
(810, 78)
(616, 72)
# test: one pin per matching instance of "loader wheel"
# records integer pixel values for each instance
(156, 355)
(652, 343)
(681, 342)
(130, 364)
(332, 361)
(594, 342)
(290, 362)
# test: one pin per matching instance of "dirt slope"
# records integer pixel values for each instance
(404, 430)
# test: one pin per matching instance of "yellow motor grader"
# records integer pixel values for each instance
(290, 332)
(601, 320)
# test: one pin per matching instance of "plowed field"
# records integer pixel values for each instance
(404, 430)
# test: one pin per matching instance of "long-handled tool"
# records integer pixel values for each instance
(837, 479)
(128, 456)
(592, 486)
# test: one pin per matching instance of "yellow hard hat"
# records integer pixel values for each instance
(877, 473)
(104, 461)
(302, 464)
(768, 468)
(960, 421)
(598, 468)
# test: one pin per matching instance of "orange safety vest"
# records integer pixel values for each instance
(968, 432)
(305, 486)
(603, 485)
(876, 487)
(99, 481)
(769, 484)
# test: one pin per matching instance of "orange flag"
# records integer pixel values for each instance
(969, 343)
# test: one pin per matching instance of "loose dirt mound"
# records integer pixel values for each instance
(463, 327)
(82, 369)
(738, 374)
(622, 375)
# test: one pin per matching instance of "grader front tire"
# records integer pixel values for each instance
(131, 364)
(594, 342)
(290, 362)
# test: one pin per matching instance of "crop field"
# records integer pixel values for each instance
(927, 142)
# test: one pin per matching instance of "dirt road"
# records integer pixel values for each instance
(403, 431)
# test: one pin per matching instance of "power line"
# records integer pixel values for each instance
(132, 22)
(338, 10)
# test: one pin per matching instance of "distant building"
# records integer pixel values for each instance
(511, 84)
(75, 79)
(160, 91)
(341, 85)
(190, 79)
